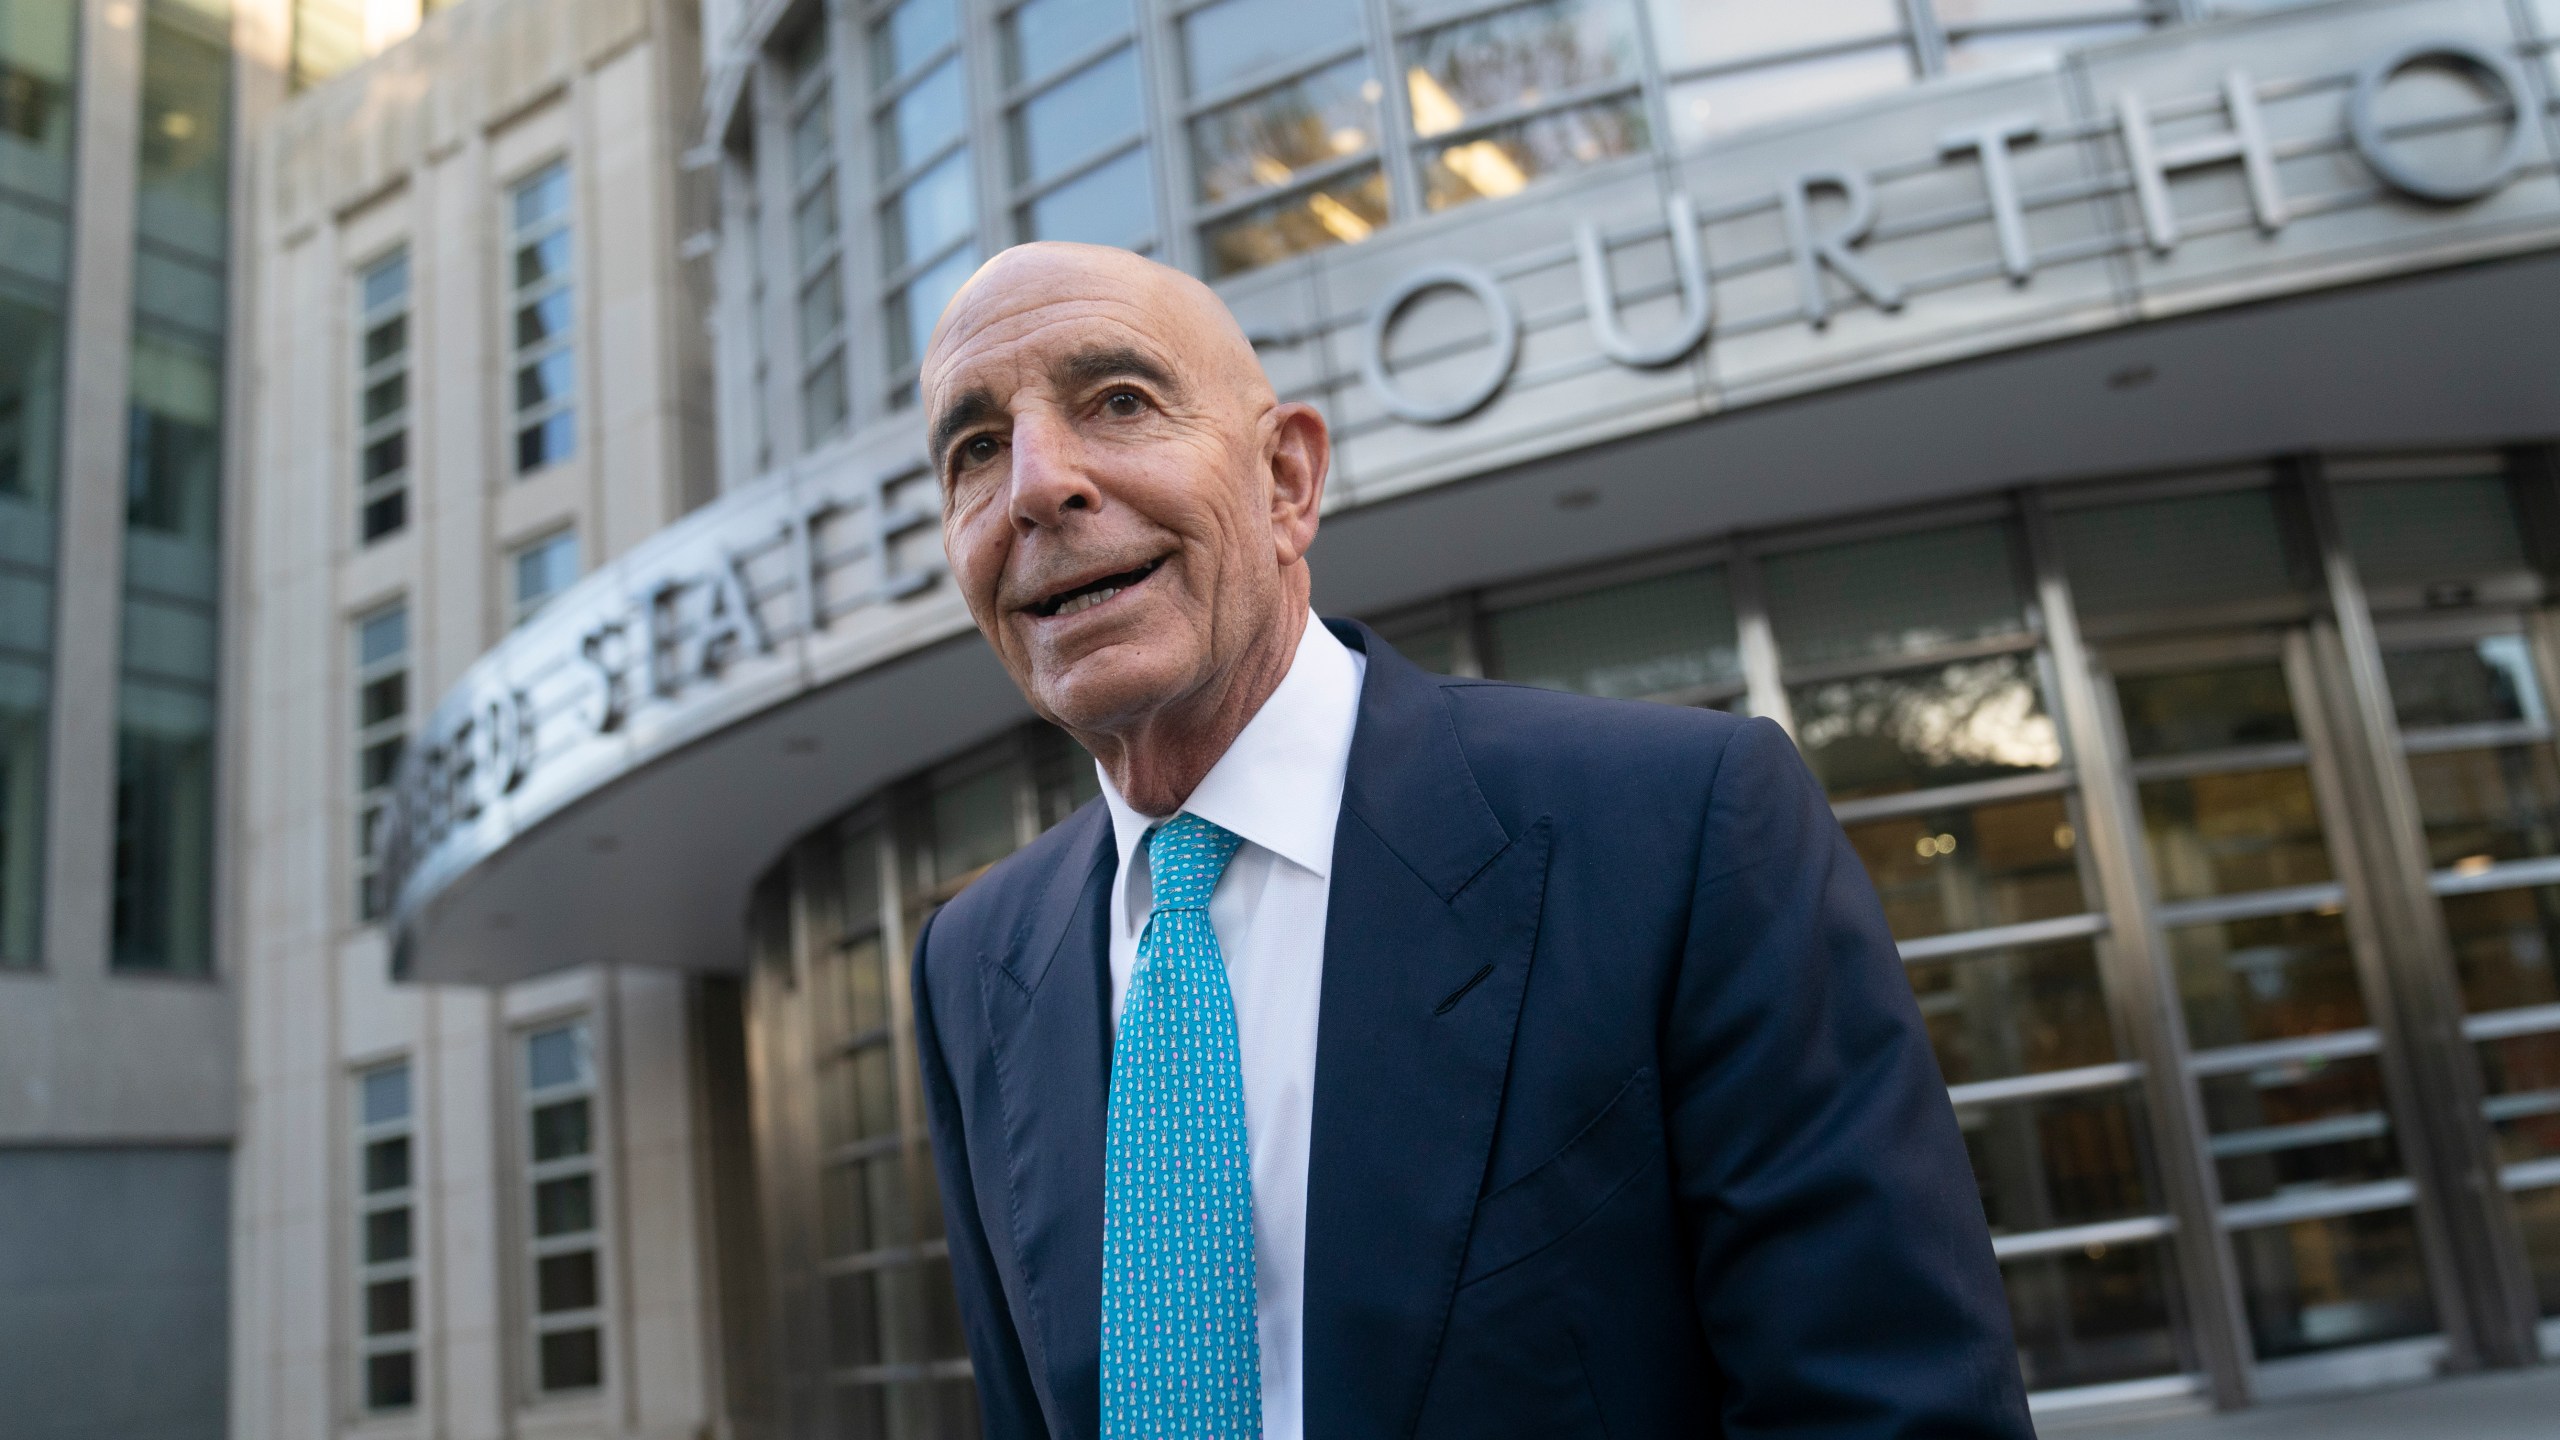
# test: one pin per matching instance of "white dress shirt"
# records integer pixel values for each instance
(1279, 788)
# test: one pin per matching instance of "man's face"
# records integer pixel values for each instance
(1108, 501)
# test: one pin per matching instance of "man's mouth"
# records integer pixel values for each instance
(1093, 592)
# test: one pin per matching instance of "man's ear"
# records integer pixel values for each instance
(1299, 455)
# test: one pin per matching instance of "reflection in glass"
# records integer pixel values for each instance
(1112, 204)
(2321, 1284)
(1711, 109)
(857, 1096)
(1999, 1013)
(921, 120)
(1951, 870)
(934, 210)
(1660, 636)
(913, 310)
(973, 823)
(2300, 1125)
(2479, 807)
(2506, 947)
(1266, 138)
(1091, 109)
(173, 463)
(2061, 1160)
(2270, 978)
(2092, 1316)
(2520, 1083)
(1501, 161)
(2483, 682)
(852, 985)
(1232, 40)
(911, 34)
(2233, 833)
(1950, 724)
(2538, 1217)
(2192, 712)
(1342, 212)
(1516, 57)
(1895, 596)
(2417, 532)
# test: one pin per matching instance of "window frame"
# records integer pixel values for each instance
(364, 1273)
(533, 1324)
(523, 419)
(394, 486)
(373, 803)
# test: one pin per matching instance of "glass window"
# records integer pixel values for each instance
(2057, 1160)
(1266, 139)
(383, 399)
(1232, 40)
(1503, 160)
(1944, 871)
(826, 401)
(2189, 712)
(1995, 1014)
(2092, 1315)
(973, 823)
(2295, 1126)
(2323, 1284)
(382, 733)
(1323, 120)
(2428, 532)
(926, 116)
(928, 219)
(1111, 204)
(544, 569)
(1898, 595)
(911, 34)
(2274, 978)
(386, 1339)
(1093, 108)
(2481, 682)
(1669, 636)
(542, 300)
(2188, 552)
(1459, 74)
(915, 309)
(2506, 947)
(1943, 725)
(565, 1251)
(1042, 35)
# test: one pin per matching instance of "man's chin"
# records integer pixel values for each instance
(1103, 692)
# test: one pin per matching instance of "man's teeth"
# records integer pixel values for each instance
(1089, 599)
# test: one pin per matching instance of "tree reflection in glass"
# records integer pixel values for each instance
(1945, 725)
(1266, 139)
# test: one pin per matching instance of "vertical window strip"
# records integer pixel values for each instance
(543, 569)
(564, 1246)
(817, 243)
(1077, 124)
(542, 309)
(928, 212)
(382, 733)
(382, 397)
(386, 1338)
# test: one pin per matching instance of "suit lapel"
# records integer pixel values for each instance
(1047, 1013)
(1430, 926)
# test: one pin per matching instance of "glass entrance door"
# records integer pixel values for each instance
(2273, 963)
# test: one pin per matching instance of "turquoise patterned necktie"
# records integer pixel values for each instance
(1180, 1353)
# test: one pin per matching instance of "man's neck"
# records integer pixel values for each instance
(1156, 764)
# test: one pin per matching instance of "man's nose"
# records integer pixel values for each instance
(1049, 475)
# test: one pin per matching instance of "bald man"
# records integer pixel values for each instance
(1385, 1054)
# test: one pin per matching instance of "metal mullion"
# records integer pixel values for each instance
(1256, 84)
(2131, 1231)
(2044, 1085)
(2328, 896)
(1775, 59)
(2302, 1134)
(1859, 666)
(1933, 948)
(1014, 96)
(2530, 1175)
(896, 184)
(2495, 735)
(2237, 760)
(2493, 1299)
(905, 274)
(2521, 1105)
(885, 95)
(1530, 110)
(1314, 177)
(1946, 797)
(574, 1242)
(776, 206)
(539, 290)
(534, 414)
(2323, 1205)
(388, 425)
(2134, 969)
(1458, 13)
(2508, 1024)
(1172, 165)
(1396, 137)
(1025, 194)
(549, 1322)
(1927, 41)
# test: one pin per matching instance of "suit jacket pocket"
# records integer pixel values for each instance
(1570, 1186)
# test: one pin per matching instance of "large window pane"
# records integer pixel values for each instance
(2062, 1160)
(2299, 1125)
(1967, 869)
(2322, 1284)
(2199, 711)
(2422, 532)
(1995, 1014)
(2479, 807)
(2520, 1083)
(914, 310)
(2232, 833)
(912, 33)
(2538, 1216)
(2506, 947)
(1224, 43)
(1517, 57)
(2194, 551)
(1112, 204)
(922, 120)
(934, 210)
(2092, 1316)
(1263, 140)
(1949, 724)
(2266, 979)
(1895, 596)
(1343, 212)
(1501, 161)
(1095, 107)
(1662, 636)
(1044, 34)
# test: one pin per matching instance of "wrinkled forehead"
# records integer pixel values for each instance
(999, 349)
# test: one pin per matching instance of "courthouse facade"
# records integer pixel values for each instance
(2116, 438)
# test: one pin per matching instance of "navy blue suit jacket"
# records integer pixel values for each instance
(1625, 1122)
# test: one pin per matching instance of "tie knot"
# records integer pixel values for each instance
(1185, 857)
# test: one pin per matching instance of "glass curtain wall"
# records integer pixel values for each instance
(927, 187)
(817, 243)
(1076, 123)
(37, 71)
(163, 900)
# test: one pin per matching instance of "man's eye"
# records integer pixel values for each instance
(978, 449)
(1123, 402)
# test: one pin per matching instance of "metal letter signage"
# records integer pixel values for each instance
(1991, 140)
(2247, 143)
(1832, 249)
(1599, 297)
(1382, 318)
(2364, 120)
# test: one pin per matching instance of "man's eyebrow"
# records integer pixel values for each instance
(1085, 367)
(972, 407)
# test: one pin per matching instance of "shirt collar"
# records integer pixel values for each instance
(1279, 785)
